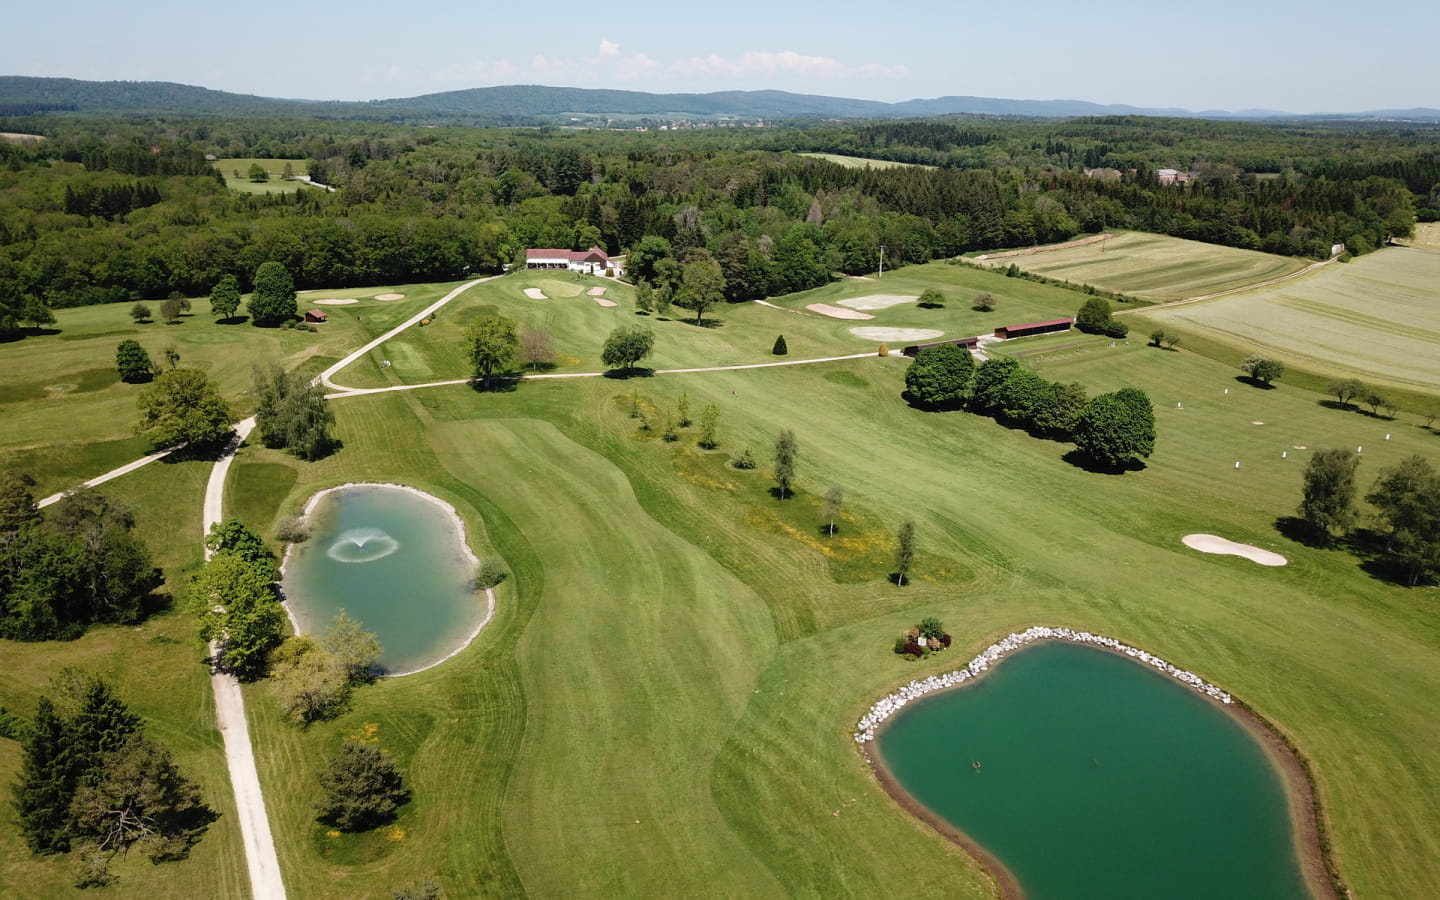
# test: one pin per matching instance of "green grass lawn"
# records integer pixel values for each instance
(1154, 267)
(68, 417)
(663, 704)
(1376, 317)
(237, 175)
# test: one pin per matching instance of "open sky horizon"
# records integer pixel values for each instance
(1229, 55)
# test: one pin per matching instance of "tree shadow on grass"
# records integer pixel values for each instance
(898, 579)
(499, 384)
(1300, 531)
(704, 323)
(917, 404)
(1256, 383)
(233, 320)
(633, 372)
(1082, 461)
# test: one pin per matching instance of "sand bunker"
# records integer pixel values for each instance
(836, 312)
(535, 294)
(338, 301)
(389, 296)
(602, 301)
(878, 301)
(1209, 543)
(596, 291)
(896, 334)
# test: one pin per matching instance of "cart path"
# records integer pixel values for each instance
(260, 857)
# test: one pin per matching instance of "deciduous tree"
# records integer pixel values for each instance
(225, 298)
(291, 412)
(1114, 429)
(834, 499)
(626, 346)
(140, 313)
(234, 602)
(904, 551)
(1407, 496)
(133, 363)
(1094, 316)
(1347, 390)
(702, 285)
(786, 453)
(1327, 502)
(490, 342)
(940, 376)
(273, 299)
(537, 348)
(183, 405)
(1263, 369)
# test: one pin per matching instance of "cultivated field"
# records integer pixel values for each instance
(1427, 236)
(276, 167)
(861, 162)
(664, 702)
(1154, 267)
(1377, 317)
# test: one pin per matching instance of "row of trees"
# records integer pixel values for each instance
(78, 564)
(1406, 500)
(1113, 430)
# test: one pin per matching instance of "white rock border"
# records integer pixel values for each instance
(892, 703)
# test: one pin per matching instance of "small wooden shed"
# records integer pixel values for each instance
(314, 315)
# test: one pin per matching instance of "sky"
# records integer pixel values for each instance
(1226, 54)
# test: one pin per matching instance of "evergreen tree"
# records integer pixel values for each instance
(46, 786)
(362, 788)
(780, 349)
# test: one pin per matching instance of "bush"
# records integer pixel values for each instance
(945, 640)
(745, 460)
(490, 573)
(780, 349)
(1116, 329)
(292, 530)
(914, 649)
(931, 628)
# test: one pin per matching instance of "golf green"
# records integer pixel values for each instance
(1088, 775)
(394, 559)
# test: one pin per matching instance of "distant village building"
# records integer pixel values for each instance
(591, 262)
(1173, 176)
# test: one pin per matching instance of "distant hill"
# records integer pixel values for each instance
(536, 104)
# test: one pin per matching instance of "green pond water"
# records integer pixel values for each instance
(393, 560)
(1099, 778)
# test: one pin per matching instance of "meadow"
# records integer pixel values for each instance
(861, 162)
(1376, 317)
(1153, 266)
(237, 175)
(664, 702)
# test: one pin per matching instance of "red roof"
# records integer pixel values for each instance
(1046, 324)
(594, 254)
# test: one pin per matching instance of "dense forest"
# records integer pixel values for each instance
(109, 210)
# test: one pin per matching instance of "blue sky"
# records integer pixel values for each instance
(1224, 54)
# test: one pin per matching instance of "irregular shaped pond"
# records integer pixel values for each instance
(1099, 778)
(395, 559)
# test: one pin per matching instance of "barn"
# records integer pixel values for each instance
(1033, 328)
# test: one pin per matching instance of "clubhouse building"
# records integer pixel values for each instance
(590, 262)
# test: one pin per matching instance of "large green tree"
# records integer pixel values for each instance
(139, 798)
(133, 363)
(291, 412)
(362, 788)
(1263, 369)
(183, 406)
(490, 342)
(626, 346)
(273, 300)
(225, 297)
(940, 376)
(46, 785)
(1407, 496)
(1327, 501)
(1094, 316)
(1115, 429)
(235, 604)
(702, 285)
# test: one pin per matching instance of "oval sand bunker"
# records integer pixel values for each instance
(336, 301)
(876, 333)
(389, 296)
(1209, 543)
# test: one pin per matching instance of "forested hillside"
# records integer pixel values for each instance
(118, 210)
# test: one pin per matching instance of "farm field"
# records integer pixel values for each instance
(861, 162)
(1427, 236)
(679, 658)
(1154, 267)
(276, 168)
(1377, 317)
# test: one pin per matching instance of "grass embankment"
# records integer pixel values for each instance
(664, 701)
(1376, 318)
(1154, 267)
(68, 417)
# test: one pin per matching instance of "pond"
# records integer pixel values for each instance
(395, 559)
(1087, 775)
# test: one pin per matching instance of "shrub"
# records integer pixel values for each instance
(1116, 329)
(914, 649)
(901, 643)
(780, 349)
(292, 530)
(945, 640)
(984, 301)
(884, 350)
(490, 573)
(745, 460)
(931, 628)
(140, 312)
